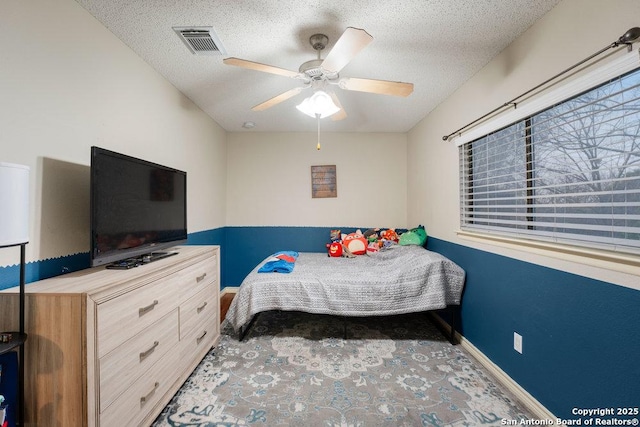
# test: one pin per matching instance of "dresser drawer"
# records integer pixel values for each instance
(122, 366)
(126, 315)
(197, 309)
(199, 276)
(199, 340)
(134, 404)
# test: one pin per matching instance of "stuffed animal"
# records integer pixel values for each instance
(373, 247)
(355, 243)
(371, 234)
(389, 234)
(416, 236)
(335, 249)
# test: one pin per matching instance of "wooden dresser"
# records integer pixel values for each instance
(111, 347)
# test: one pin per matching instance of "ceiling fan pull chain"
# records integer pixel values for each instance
(318, 119)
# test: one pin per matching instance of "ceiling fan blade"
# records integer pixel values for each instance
(340, 115)
(352, 41)
(383, 87)
(278, 99)
(257, 66)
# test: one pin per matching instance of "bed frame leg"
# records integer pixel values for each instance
(453, 310)
(439, 323)
(344, 325)
(452, 331)
(244, 330)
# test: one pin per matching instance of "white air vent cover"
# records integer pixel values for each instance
(200, 40)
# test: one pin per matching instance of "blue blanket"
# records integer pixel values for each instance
(280, 262)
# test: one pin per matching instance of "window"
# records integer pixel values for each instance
(569, 173)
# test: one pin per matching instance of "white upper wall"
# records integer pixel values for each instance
(269, 179)
(570, 32)
(67, 83)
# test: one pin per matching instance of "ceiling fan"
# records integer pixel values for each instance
(319, 74)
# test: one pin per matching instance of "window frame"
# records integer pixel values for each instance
(524, 111)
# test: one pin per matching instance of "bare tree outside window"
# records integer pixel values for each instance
(569, 173)
(587, 162)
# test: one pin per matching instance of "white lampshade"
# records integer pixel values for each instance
(320, 103)
(14, 204)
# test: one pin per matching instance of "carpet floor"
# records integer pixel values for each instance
(297, 369)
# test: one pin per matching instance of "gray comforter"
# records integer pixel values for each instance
(403, 279)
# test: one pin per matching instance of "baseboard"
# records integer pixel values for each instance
(229, 290)
(521, 394)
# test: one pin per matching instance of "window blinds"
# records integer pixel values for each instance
(569, 173)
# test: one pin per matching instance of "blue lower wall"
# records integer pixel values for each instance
(241, 249)
(247, 246)
(581, 337)
(44, 269)
(38, 270)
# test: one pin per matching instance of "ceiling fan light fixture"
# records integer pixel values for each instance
(318, 104)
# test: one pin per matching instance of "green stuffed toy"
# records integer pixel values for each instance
(415, 236)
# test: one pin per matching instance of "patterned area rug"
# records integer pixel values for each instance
(297, 369)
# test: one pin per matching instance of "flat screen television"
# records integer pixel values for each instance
(138, 209)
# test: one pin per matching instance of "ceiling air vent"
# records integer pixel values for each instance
(200, 40)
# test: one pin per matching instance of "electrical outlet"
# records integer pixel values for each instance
(517, 342)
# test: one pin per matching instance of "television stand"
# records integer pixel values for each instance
(85, 368)
(128, 263)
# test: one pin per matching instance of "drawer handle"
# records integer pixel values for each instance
(201, 337)
(144, 399)
(201, 278)
(146, 354)
(199, 309)
(145, 310)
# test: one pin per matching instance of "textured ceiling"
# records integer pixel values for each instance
(435, 44)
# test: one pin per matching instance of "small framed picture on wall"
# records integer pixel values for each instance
(324, 181)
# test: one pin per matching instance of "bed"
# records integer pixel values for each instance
(402, 279)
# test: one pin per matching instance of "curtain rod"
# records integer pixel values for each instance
(626, 39)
